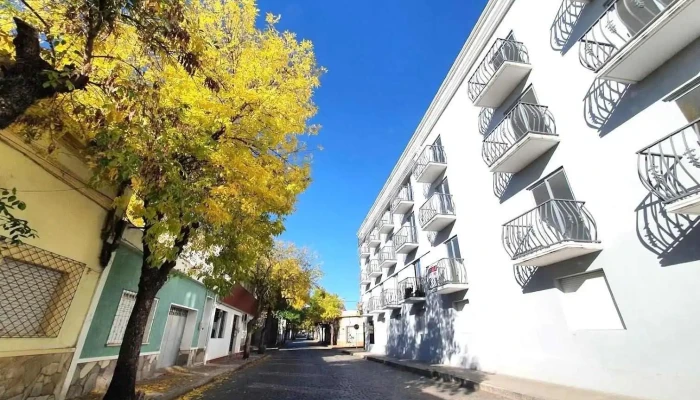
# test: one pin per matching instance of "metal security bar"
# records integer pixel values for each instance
(502, 51)
(411, 287)
(621, 22)
(391, 298)
(407, 234)
(524, 118)
(373, 266)
(404, 194)
(670, 167)
(552, 222)
(36, 290)
(445, 271)
(387, 253)
(430, 154)
(437, 204)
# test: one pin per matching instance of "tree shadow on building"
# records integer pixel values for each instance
(534, 279)
(674, 238)
(609, 104)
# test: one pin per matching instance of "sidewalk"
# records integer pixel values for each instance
(173, 382)
(503, 385)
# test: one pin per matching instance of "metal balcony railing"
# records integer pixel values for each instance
(430, 154)
(552, 222)
(364, 276)
(373, 266)
(411, 287)
(502, 51)
(375, 303)
(407, 234)
(372, 236)
(621, 22)
(391, 298)
(437, 204)
(364, 249)
(404, 194)
(670, 167)
(521, 120)
(387, 219)
(445, 271)
(387, 253)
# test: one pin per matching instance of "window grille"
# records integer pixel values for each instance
(38, 287)
(121, 318)
(217, 330)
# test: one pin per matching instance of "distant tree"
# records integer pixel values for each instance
(16, 228)
(325, 308)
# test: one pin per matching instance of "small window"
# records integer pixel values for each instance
(588, 303)
(218, 328)
(121, 318)
(554, 186)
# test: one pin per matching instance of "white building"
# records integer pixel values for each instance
(549, 203)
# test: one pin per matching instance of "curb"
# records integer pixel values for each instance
(205, 381)
(428, 372)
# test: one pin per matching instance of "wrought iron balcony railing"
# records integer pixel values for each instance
(404, 194)
(407, 234)
(524, 118)
(430, 154)
(364, 250)
(372, 267)
(552, 222)
(437, 204)
(444, 272)
(411, 288)
(670, 167)
(621, 22)
(387, 254)
(364, 278)
(502, 51)
(391, 298)
(374, 304)
(386, 223)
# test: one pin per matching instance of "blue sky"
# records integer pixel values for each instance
(385, 60)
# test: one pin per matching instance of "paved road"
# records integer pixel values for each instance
(305, 372)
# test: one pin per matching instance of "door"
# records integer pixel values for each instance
(444, 198)
(206, 323)
(453, 274)
(172, 337)
(234, 331)
(244, 333)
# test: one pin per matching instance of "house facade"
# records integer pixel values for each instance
(48, 282)
(350, 329)
(229, 323)
(543, 220)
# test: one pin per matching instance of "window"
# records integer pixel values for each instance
(26, 296)
(588, 303)
(121, 319)
(452, 246)
(554, 186)
(219, 326)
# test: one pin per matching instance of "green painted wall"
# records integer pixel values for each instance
(124, 275)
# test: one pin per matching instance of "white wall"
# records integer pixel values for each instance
(218, 347)
(524, 332)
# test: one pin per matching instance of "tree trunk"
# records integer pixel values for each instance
(123, 383)
(332, 334)
(265, 330)
(249, 337)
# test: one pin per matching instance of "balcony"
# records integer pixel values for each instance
(436, 213)
(526, 132)
(405, 239)
(365, 278)
(373, 239)
(374, 306)
(387, 257)
(391, 299)
(504, 66)
(446, 276)
(364, 250)
(373, 269)
(403, 201)
(633, 38)
(411, 291)
(430, 164)
(386, 224)
(670, 168)
(554, 231)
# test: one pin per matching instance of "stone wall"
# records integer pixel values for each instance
(36, 377)
(95, 376)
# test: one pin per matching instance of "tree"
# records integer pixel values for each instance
(281, 279)
(189, 105)
(325, 308)
(17, 228)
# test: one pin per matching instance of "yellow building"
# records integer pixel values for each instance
(47, 284)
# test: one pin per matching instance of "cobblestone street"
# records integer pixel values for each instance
(310, 373)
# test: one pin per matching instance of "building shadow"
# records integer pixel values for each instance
(609, 104)
(564, 24)
(674, 238)
(506, 185)
(535, 279)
